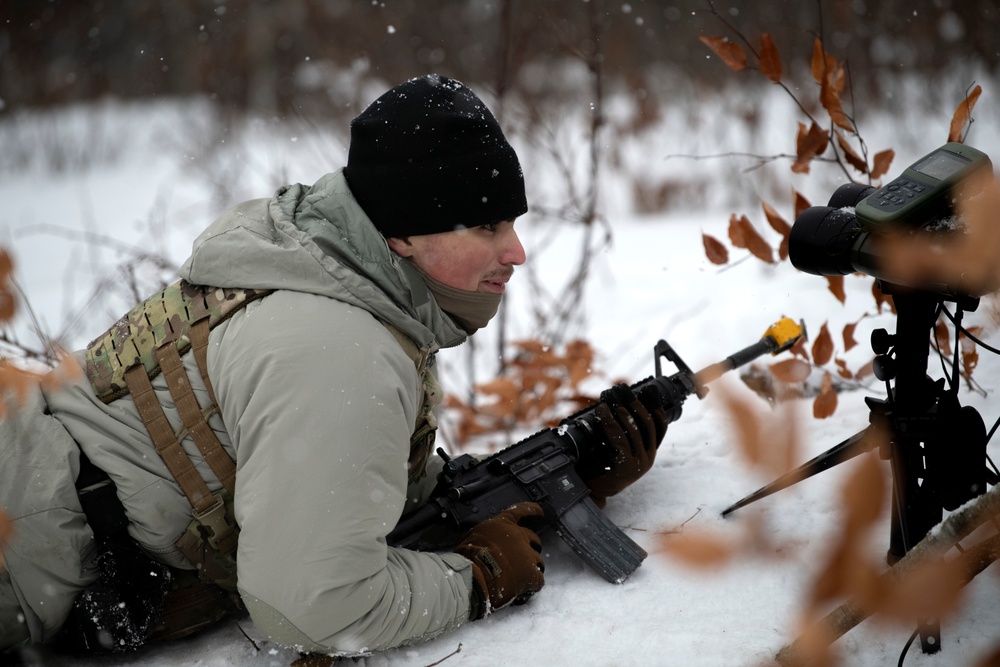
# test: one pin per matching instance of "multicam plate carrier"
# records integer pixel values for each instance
(148, 340)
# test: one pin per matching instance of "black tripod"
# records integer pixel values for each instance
(935, 447)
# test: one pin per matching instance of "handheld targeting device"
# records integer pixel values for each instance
(923, 191)
(854, 231)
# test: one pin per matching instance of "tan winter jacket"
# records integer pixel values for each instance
(318, 402)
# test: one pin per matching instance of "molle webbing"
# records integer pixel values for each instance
(149, 340)
(165, 317)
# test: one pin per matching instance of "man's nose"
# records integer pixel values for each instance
(513, 251)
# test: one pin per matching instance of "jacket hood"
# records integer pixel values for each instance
(317, 239)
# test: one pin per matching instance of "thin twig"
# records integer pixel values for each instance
(249, 639)
(450, 655)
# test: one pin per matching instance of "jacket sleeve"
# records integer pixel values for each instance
(320, 402)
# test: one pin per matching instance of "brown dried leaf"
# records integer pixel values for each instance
(829, 97)
(452, 402)
(799, 349)
(729, 52)
(506, 392)
(748, 429)
(976, 331)
(778, 223)
(67, 370)
(759, 382)
(579, 361)
(850, 155)
(699, 548)
(470, 425)
(6, 265)
(846, 572)
(928, 590)
(881, 162)
(942, 335)
(970, 354)
(863, 496)
(822, 62)
(766, 439)
(808, 144)
(6, 530)
(825, 403)
(15, 386)
(791, 370)
(842, 369)
(815, 646)
(836, 286)
(743, 235)
(770, 60)
(866, 370)
(8, 304)
(716, 252)
(822, 349)
(801, 203)
(849, 340)
(991, 659)
(534, 353)
(963, 113)
(537, 398)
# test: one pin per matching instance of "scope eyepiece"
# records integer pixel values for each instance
(822, 239)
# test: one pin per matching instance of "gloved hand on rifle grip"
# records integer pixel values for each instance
(631, 428)
(507, 565)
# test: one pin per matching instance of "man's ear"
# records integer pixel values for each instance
(400, 245)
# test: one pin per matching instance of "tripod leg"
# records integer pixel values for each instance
(930, 635)
(844, 451)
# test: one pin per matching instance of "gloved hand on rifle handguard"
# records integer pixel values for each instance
(631, 429)
(507, 565)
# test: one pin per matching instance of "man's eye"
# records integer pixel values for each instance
(492, 227)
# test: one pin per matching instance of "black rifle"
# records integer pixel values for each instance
(542, 468)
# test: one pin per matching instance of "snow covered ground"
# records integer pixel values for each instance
(159, 185)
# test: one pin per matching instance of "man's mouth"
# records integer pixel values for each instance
(494, 286)
(497, 281)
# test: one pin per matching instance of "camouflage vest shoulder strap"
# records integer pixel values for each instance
(165, 317)
(431, 394)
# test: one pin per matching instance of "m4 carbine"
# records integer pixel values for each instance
(542, 468)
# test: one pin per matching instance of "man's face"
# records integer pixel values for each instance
(475, 259)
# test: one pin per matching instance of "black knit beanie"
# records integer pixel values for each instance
(429, 157)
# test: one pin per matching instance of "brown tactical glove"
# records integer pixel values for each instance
(507, 565)
(631, 429)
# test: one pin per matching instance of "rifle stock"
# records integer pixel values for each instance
(542, 469)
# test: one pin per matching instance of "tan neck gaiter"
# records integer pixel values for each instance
(470, 310)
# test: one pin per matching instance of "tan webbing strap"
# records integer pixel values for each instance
(194, 418)
(410, 347)
(167, 444)
(198, 336)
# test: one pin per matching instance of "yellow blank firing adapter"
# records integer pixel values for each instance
(785, 333)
